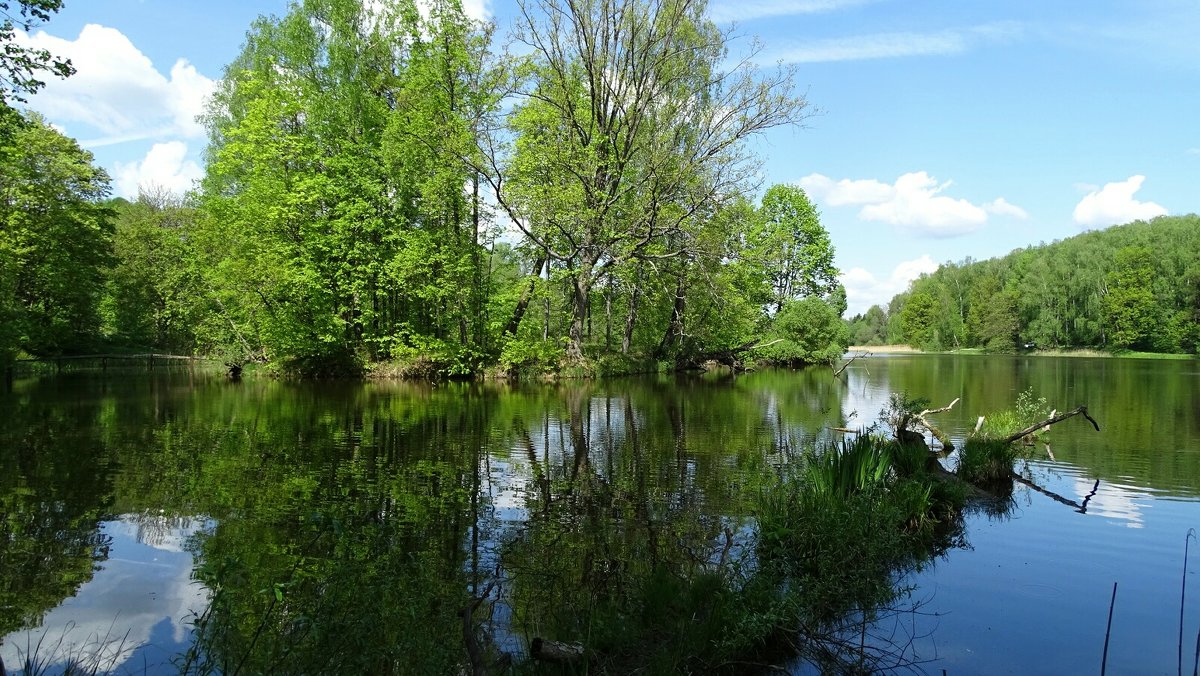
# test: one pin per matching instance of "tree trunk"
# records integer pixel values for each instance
(631, 318)
(526, 295)
(675, 326)
(581, 289)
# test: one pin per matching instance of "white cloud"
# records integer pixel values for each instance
(1002, 207)
(1193, 151)
(914, 202)
(893, 45)
(1114, 203)
(847, 191)
(864, 289)
(732, 10)
(117, 90)
(164, 165)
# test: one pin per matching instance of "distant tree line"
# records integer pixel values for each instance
(382, 186)
(1129, 287)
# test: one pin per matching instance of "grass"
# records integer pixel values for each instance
(97, 655)
(987, 463)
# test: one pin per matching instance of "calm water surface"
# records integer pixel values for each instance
(340, 527)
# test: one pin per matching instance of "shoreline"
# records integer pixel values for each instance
(1063, 352)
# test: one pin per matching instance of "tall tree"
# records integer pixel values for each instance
(55, 239)
(628, 132)
(792, 248)
(343, 229)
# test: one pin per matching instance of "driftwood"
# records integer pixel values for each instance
(907, 436)
(1080, 410)
(557, 652)
(850, 361)
(732, 356)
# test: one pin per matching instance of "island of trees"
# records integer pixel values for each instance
(384, 187)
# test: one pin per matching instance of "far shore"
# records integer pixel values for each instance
(884, 349)
(1067, 352)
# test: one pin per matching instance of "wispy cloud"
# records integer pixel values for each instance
(725, 11)
(894, 45)
(1193, 151)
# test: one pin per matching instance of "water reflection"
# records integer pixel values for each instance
(133, 615)
(344, 527)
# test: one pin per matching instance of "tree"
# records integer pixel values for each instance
(627, 134)
(919, 320)
(154, 297)
(341, 229)
(809, 332)
(1129, 305)
(992, 321)
(792, 248)
(870, 328)
(20, 66)
(55, 239)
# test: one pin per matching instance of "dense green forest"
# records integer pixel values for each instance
(385, 186)
(1129, 287)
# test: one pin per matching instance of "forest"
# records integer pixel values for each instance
(387, 188)
(1129, 287)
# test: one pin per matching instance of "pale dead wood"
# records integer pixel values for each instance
(838, 372)
(937, 433)
(558, 652)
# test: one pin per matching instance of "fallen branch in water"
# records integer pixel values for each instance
(937, 433)
(838, 372)
(1081, 410)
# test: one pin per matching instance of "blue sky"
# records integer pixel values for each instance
(942, 130)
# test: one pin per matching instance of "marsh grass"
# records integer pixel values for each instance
(987, 463)
(95, 655)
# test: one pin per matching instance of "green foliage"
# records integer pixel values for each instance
(788, 243)
(55, 240)
(1131, 313)
(1133, 286)
(808, 332)
(1026, 412)
(530, 356)
(851, 468)
(20, 66)
(869, 328)
(153, 297)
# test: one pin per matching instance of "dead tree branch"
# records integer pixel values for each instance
(937, 433)
(850, 361)
(1081, 410)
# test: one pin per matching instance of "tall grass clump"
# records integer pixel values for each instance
(851, 468)
(987, 463)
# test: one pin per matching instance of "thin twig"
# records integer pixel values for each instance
(1108, 631)
(1187, 541)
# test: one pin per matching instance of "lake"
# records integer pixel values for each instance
(337, 527)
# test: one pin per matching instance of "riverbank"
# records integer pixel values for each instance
(1063, 352)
